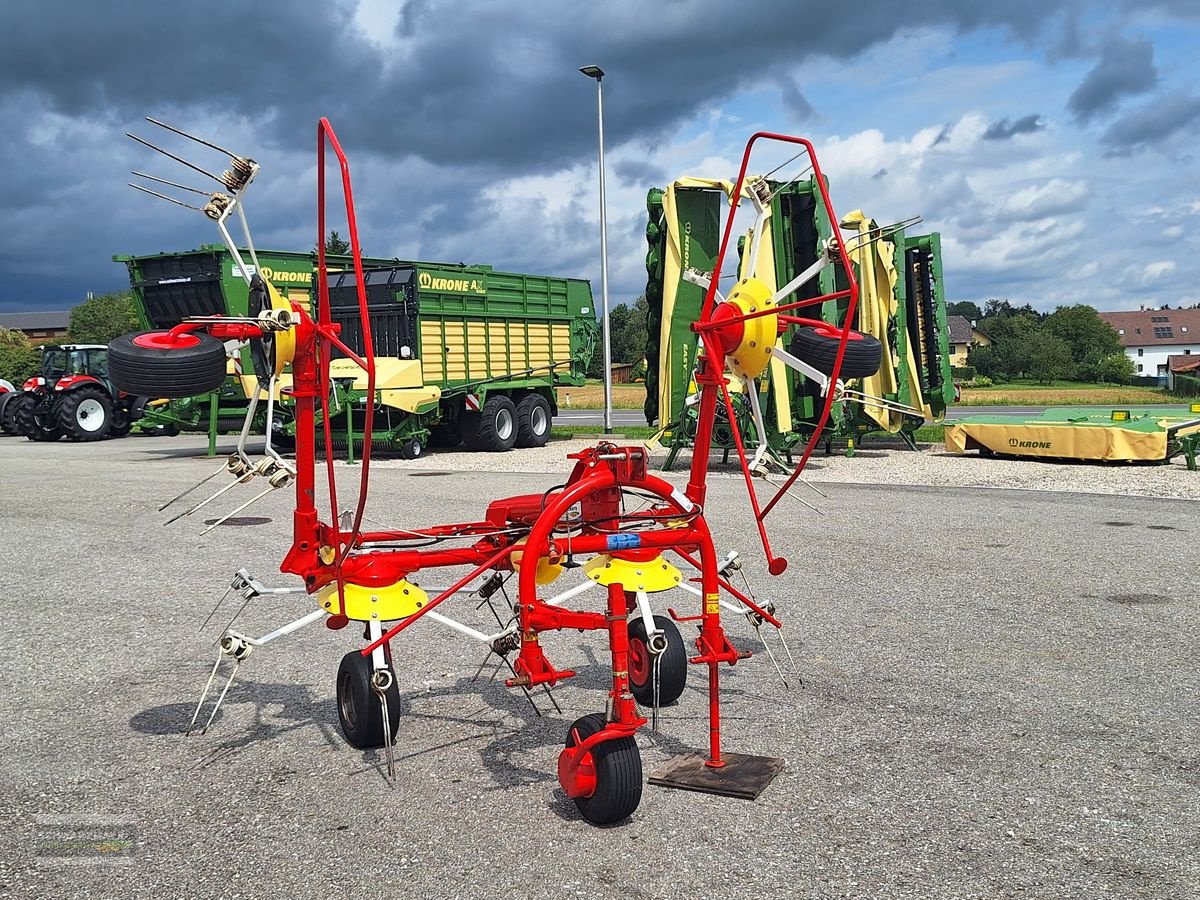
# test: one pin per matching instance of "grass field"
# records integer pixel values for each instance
(1021, 393)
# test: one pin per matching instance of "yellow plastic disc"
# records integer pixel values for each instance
(650, 577)
(752, 356)
(547, 571)
(394, 601)
(285, 341)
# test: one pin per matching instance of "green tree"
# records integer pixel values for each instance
(100, 319)
(1114, 369)
(1091, 340)
(1049, 356)
(968, 309)
(18, 358)
(335, 245)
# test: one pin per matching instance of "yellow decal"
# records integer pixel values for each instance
(430, 282)
(286, 277)
(712, 604)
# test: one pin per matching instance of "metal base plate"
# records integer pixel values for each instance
(743, 777)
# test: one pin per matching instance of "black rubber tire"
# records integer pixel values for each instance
(37, 421)
(78, 424)
(497, 425)
(121, 424)
(411, 449)
(672, 669)
(4, 398)
(359, 711)
(618, 765)
(533, 421)
(861, 359)
(8, 415)
(182, 372)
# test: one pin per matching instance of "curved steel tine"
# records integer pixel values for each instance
(192, 137)
(180, 496)
(204, 693)
(178, 159)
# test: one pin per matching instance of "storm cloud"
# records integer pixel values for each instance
(471, 134)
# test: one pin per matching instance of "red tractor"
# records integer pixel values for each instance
(73, 397)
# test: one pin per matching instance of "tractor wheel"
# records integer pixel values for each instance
(85, 414)
(121, 425)
(818, 347)
(672, 668)
(4, 398)
(359, 711)
(37, 421)
(616, 770)
(8, 415)
(497, 425)
(151, 364)
(533, 421)
(411, 449)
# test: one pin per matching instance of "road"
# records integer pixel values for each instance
(623, 417)
(993, 704)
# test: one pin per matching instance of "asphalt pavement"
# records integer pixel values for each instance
(996, 696)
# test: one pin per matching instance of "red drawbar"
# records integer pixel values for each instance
(164, 340)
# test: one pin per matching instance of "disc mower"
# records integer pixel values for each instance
(635, 536)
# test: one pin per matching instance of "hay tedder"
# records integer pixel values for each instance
(611, 517)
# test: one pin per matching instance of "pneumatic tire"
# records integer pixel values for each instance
(533, 421)
(8, 414)
(672, 667)
(818, 347)
(497, 425)
(166, 371)
(37, 421)
(618, 772)
(85, 414)
(359, 710)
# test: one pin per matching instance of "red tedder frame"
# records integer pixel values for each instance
(323, 553)
(710, 372)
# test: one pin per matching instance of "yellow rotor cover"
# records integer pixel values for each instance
(752, 356)
(650, 577)
(285, 341)
(393, 601)
(547, 571)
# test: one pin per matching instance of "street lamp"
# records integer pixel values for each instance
(598, 73)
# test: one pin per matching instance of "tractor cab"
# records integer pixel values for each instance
(74, 360)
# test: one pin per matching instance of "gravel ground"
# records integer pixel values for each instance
(999, 700)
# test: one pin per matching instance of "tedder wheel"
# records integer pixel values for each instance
(533, 421)
(85, 414)
(672, 667)
(36, 420)
(154, 364)
(497, 425)
(616, 770)
(359, 710)
(818, 347)
(4, 398)
(8, 415)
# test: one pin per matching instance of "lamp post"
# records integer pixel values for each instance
(598, 74)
